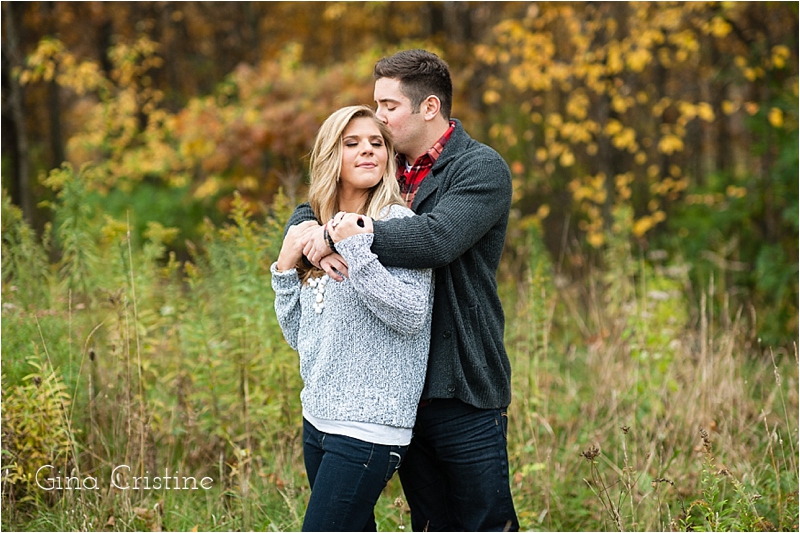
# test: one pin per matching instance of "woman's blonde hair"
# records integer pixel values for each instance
(326, 167)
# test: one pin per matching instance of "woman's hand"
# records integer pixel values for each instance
(292, 248)
(344, 225)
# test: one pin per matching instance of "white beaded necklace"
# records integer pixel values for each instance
(318, 284)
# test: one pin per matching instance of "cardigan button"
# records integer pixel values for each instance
(451, 388)
(446, 334)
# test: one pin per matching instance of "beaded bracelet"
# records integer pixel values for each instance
(328, 239)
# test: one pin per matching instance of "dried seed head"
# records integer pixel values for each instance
(706, 440)
(625, 429)
(661, 480)
(591, 452)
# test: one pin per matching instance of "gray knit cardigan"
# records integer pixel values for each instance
(364, 357)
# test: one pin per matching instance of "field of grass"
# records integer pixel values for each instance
(640, 402)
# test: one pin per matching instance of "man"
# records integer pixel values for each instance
(455, 474)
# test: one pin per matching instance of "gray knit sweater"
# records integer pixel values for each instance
(364, 357)
(463, 206)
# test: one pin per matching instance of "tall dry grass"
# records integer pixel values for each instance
(637, 404)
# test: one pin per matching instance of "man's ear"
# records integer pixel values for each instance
(431, 107)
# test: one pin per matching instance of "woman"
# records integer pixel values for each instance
(363, 342)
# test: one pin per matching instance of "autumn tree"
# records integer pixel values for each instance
(624, 113)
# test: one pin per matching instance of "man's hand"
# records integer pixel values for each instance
(292, 248)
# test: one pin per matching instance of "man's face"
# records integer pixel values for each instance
(404, 122)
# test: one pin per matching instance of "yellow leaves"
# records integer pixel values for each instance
(543, 212)
(669, 187)
(614, 60)
(705, 112)
(753, 74)
(334, 11)
(718, 27)
(669, 144)
(541, 154)
(578, 132)
(578, 105)
(208, 188)
(729, 107)
(687, 110)
(622, 138)
(491, 97)
(625, 140)
(780, 53)
(43, 62)
(621, 104)
(661, 105)
(613, 127)
(248, 183)
(735, 192)
(505, 133)
(114, 230)
(647, 222)
(687, 44)
(595, 238)
(775, 117)
(639, 59)
(591, 188)
(622, 184)
(690, 111)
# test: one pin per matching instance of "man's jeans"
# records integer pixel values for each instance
(455, 474)
(347, 476)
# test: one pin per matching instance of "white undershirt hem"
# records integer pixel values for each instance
(365, 431)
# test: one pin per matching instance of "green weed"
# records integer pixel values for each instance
(118, 353)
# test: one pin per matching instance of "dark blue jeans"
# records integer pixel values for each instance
(347, 476)
(455, 474)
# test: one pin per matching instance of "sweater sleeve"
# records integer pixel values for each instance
(286, 285)
(400, 298)
(302, 213)
(478, 197)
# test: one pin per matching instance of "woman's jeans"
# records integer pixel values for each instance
(347, 476)
(455, 475)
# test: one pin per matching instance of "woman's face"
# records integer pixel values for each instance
(364, 155)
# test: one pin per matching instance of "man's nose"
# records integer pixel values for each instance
(381, 116)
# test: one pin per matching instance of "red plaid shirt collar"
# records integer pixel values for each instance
(410, 178)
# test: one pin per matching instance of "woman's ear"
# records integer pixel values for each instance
(431, 107)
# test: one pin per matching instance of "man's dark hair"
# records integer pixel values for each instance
(421, 74)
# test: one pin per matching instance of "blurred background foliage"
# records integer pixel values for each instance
(676, 120)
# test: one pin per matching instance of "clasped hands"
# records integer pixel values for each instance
(312, 240)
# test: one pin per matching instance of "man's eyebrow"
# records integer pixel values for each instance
(389, 100)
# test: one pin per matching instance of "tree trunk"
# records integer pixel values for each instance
(435, 18)
(56, 135)
(15, 102)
